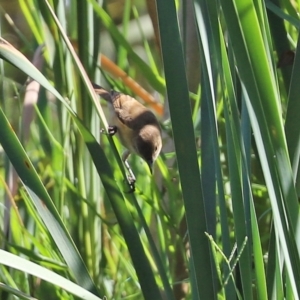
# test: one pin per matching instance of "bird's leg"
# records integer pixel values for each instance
(130, 177)
(112, 130)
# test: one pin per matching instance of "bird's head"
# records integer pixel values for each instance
(148, 144)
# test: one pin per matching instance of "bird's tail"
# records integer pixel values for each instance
(106, 95)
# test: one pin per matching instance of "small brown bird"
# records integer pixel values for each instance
(137, 126)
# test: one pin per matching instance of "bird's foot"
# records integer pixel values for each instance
(130, 177)
(131, 185)
(111, 130)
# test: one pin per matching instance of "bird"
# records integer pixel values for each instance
(137, 126)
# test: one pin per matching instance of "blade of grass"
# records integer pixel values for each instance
(140, 261)
(238, 174)
(186, 151)
(24, 265)
(292, 124)
(257, 76)
(155, 253)
(280, 13)
(208, 31)
(48, 212)
(13, 291)
(154, 79)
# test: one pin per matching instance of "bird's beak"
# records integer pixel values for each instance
(150, 165)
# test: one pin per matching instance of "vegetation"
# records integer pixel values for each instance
(219, 218)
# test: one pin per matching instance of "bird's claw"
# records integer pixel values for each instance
(112, 130)
(131, 184)
(130, 177)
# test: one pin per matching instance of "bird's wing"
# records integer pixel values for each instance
(136, 116)
(128, 110)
